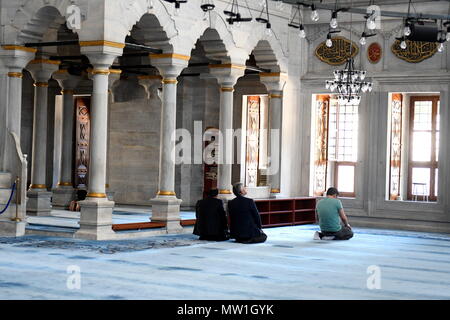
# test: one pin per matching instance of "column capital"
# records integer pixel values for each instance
(101, 53)
(274, 81)
(65, 80)
(169, 65)
(226, 74)
(42, 69)
(151, 83)
(16, 57)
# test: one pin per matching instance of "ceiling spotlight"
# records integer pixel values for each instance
(333, 22)
(314, 13)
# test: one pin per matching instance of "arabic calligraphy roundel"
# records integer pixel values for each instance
(374, 52)
(338, 53)
(416, 51)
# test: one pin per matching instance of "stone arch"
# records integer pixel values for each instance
(267, 51)
(215, 29)
(124, 16)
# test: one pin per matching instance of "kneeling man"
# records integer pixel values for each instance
(330, 213)
(245, 221)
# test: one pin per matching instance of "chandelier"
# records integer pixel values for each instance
(348, 84)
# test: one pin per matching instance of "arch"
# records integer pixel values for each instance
(33, 19)
(123, 16)
(267, 50)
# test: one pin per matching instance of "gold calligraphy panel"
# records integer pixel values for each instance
(416, 51)
(338, 53)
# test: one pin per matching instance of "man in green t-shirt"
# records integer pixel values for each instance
(330, 213)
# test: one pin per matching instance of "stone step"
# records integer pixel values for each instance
(5, 180)
(47, 230)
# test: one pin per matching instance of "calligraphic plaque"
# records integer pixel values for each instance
(416, 51)
(338, 53)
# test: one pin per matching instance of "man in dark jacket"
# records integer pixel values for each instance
(211, 221)
(245, 222)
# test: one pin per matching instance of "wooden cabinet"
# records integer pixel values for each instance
(286, 212)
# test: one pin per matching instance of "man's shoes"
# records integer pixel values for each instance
(317, 236)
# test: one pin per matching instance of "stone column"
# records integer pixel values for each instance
(96, 209)
(227, 76)
(65, 192)
(166, 206)
(114, 75)
(39, 199)
(274, 83)
(12, 60)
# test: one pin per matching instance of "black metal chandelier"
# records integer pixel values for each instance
(348, 84)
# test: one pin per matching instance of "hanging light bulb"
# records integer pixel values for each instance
(314, 13)
(302, 33)
(441, 47)
(407, 30)
(268, 30)
(177, 9)
(333, 22)
(403, 44)
(363, 40)
(329, 42)
(371, 24)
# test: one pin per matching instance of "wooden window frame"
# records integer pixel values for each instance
(433, 163)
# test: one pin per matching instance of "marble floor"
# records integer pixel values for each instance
(375, 264)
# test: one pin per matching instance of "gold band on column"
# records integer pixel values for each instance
(65, 184)
(274, 190)
(100, 71)
(170, 81)
(275, 96)
(224, 191)
(166, 193)
(96, 195)
(67, 91)
(15, 74)
(41, 84)
(38, 186)
(226, 89)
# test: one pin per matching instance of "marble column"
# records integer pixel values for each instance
(39, 199)
(13, 59)
(64, 193)
(274, 83)
(96, 210)
(227, 76)
(166, 206)
(114, 76)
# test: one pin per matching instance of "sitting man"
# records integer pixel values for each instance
(329, 211)
(211, 223)
(245, 222)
